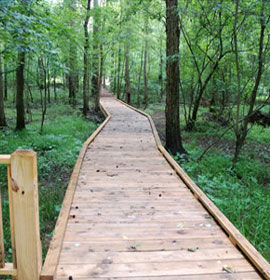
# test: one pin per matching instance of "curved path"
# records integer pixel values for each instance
(132, 217)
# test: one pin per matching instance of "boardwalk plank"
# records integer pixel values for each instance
(219, 276)
(141, 245)
(106, 269)
(83, 256)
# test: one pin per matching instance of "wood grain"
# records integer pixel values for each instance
(26, 214)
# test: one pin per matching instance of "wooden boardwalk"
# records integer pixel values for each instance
(132, 217)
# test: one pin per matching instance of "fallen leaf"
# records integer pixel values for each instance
(180, 225)
(227, 269)
(112, 174)
(208, 217)
(192, 249)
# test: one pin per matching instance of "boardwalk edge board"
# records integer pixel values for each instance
(53, 254)
(234, 234)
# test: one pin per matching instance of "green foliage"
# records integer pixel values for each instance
(57, 150)
(25, 25)
(243, 195)
(245, 202)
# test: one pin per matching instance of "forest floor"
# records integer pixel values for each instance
(244, 194)
(57, 147)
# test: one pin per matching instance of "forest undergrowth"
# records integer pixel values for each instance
(57, 147)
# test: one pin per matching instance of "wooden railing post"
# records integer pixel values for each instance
(25, 206)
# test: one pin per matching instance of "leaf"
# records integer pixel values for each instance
(227, 269)
(192, 250)
(180, 225)
(134, 247)
(57, 208)
(208, 217)
(49, 234)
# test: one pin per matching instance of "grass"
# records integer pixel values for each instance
(57, 149)
(243, 195)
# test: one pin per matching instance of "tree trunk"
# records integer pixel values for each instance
(43, 100)
(102, 70)
(85, 61)
(48, 77)
(104, 77)
(114, 71)
(20, 92)
(14, 88)
(54, 86)
(160, 77)
(237, 124)
(73, 67)
(2, 106)
(95, 65)
(119, 77)
(73, 74)
(6, 80)
(139, 81)
(122, 76)
(145, 78)
(127, 78)
(173, 136)
(28, 93)
(102, 74)
(119, 72)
